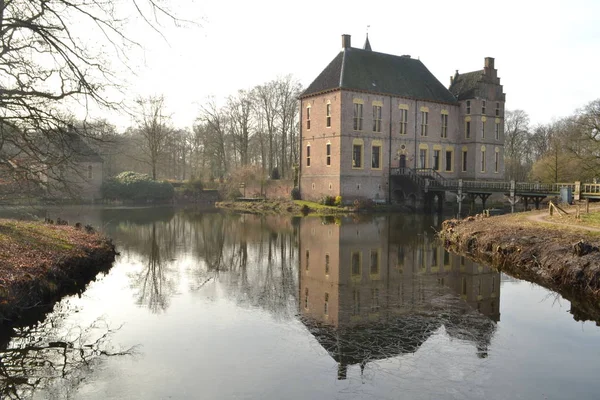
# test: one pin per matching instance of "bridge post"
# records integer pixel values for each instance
(512, 198)
(577, 194)
(460, 197)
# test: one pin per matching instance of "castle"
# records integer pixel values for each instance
(370, 116)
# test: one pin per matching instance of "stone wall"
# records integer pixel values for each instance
(279, 189)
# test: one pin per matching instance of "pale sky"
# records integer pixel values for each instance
(547, 52)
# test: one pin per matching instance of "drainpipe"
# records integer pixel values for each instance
(300, 153)
(415, 156)
(389, 179)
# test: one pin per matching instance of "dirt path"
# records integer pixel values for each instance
(540, 217)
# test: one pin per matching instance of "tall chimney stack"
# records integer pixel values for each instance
(345, 41)
(489, 62)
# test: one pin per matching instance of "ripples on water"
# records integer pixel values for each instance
(208, 305)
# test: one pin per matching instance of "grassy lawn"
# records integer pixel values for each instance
(318, 207)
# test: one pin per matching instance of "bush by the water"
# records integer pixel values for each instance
(295, 194)
(137, 188)
(328, 200)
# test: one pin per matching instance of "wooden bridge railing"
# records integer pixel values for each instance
(430, 178)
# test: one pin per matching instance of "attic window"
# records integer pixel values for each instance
(468, 106)
(328, 115)
(483, 107)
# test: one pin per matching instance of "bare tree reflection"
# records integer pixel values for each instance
(156, 282)
(53, 359)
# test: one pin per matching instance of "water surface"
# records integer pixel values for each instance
(214, 306)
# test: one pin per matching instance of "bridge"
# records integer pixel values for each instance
(431, 182)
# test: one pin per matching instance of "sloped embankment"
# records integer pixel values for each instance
(39, 263)
(565, 260)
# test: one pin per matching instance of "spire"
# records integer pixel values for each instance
(367, 45)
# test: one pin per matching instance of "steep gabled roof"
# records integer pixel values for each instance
(80, 151)
(364, 70)
(464, 85)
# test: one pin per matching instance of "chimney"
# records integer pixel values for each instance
(489, 62)
(346, 41)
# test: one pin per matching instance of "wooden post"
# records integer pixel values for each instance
(577, 194)
(550, 208)
(587, 205)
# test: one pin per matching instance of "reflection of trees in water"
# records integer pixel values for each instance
(254, 257)
(254, 260)
(53, 359)
(157, 281)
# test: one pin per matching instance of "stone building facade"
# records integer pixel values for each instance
(368, 114)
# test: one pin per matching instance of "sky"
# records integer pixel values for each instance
(547, 53)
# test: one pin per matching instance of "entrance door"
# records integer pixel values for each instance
(403, 161)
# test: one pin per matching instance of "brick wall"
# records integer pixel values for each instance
(279, 189)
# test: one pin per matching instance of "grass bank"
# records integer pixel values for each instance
(39, 263)
(557, 255)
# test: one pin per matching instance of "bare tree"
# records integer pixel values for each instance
(516, 135)
(48, 66)
(240, 114)
(216, 135)
(153, 129)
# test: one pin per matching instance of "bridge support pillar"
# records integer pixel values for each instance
(512, 199)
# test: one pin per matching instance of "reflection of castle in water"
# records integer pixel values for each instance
(368, 294)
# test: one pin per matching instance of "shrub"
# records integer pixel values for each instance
(295, 194)
(338, 201)
(363, 205)
(275, 173)
(135, 187)
(327, 200)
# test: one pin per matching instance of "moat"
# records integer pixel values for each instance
(202, 304)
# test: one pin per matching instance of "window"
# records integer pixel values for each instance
(497, 109)
(307, 259)
(374, 268)
(356, 302)
(306, 298)
(444, 125)
(355, 263)
(375, 299)
(326, 308)
(357, 155)
(376, 157)
(468, 107)
(449, 160)
(403, 122)
(422, 158)
(497, 130)
(482, 159)
(308, 118)
(376, 118)
(328, 154)
(446, 258)
(308, 155)
(483, 107)
(358, 117)
(328, 115)
(468, 129)
(482, 129)
(90, 172)
(496, 161)
(464, 161)
(424, 117)
(326, 264)
(436, 159)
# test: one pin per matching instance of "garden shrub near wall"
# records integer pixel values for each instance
(137, 188)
